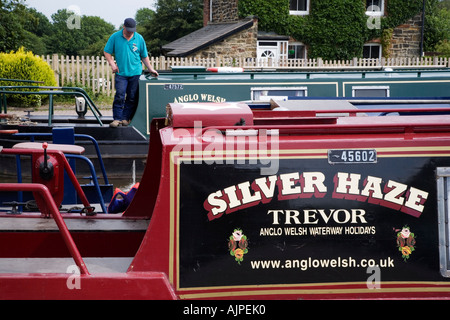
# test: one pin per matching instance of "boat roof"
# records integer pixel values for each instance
(315, 119)
(201, 74)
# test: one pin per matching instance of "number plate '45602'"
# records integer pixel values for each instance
(352, 156)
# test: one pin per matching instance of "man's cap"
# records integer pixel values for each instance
(130, 24)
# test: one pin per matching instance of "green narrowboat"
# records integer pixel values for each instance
(187, 85)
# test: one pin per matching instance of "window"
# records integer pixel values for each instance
(297, 50)
(277, 93)
(375, 7)
(370, 91)
(372, 50)
(299, 7)
(443, 189)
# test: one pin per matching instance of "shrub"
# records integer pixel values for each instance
(23, 65)
(443, 47)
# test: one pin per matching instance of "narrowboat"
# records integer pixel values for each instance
(239, 203)
(122, 148)
(197, 84)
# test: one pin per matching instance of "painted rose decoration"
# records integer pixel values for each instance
(237, 245)
(405, 242)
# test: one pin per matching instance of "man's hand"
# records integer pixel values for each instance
(110, 59)
(115, 68)
(146, 62)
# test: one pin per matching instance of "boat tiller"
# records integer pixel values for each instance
(48, 170)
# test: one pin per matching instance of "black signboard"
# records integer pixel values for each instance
(311, 222)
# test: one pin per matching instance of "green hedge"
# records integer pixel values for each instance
(334, 29)
(23, 65)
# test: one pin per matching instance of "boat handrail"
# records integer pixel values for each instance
(51, 206)
(50, 91)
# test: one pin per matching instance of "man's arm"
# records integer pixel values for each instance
(146, 62)
(111, 62)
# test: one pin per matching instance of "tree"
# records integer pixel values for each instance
(37, 30)
(437, 28)
(12, 19)
(142, 16)
(70, 37)
(172, 19)
(444, 4)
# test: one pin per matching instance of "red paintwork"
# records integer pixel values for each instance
(50, 244)
(153, 272)
(105, 286)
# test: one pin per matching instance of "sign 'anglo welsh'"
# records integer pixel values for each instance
(349, 186)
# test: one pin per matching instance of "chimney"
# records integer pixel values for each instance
(206, 12)
(219, 11)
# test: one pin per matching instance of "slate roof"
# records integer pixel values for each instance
(204, 37)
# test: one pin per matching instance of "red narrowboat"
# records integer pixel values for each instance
(241, 203)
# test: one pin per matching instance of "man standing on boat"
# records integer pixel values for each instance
(130, 51)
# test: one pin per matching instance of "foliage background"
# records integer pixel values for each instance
(335, 29)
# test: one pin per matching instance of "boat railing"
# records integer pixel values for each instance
(51, 206)
(50, 91)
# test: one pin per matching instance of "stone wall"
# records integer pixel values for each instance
(406, 38)
(240, 45)
(224, 11)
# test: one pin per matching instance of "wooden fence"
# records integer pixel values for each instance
(95, 73)
(85, 71)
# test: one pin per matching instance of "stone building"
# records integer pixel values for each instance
(225, 35)
(406, 39)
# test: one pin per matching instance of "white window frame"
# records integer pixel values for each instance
(300, 12)
(380, 48)
(267, 98)
(281, 48)
(378, 13)
(386, 88)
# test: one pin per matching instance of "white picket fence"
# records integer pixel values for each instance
(86, 71)
(95, 73)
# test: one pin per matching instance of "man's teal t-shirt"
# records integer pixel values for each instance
(128, 54)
